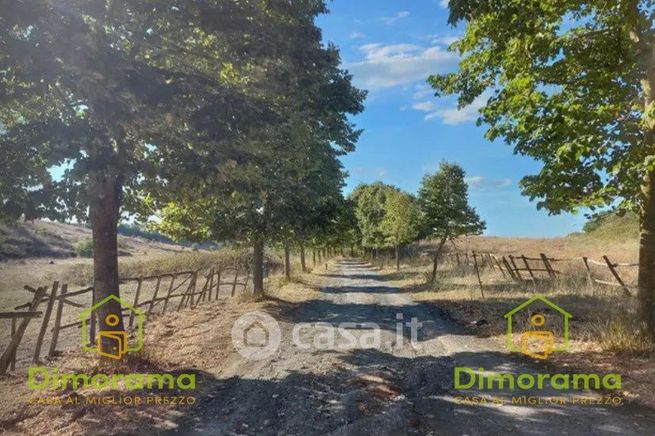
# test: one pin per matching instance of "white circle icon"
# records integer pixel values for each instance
(256, 335)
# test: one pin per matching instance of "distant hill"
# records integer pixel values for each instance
(58, 240)
(611, 226)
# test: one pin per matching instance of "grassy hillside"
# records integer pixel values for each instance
(58, 240)
(611, 226)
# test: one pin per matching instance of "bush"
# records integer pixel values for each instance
(84, 248)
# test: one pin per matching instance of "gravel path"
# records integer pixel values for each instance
(357, 386)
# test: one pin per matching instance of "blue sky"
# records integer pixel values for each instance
(391, 47)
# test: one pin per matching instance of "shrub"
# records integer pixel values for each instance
(84, 248)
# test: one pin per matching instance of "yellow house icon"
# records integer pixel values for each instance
(536, 343)
(117, 338)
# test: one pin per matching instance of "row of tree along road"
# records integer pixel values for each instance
(224, 119)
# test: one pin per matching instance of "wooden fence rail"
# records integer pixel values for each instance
(521, 268)
(190, 287)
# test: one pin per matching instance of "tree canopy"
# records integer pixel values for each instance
(570, 84)
(443, 201)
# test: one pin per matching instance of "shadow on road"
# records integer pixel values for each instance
(367, 391)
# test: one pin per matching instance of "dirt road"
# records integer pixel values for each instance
(337, 376)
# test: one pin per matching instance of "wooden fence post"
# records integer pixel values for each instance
(168, 294)
(154, 297)
(527, 266)
(516, 269)
(13, 355)
(510, 271)
(548, 266)
(136, 300)
(46, 321)
(477, 272)
(236, 278)
(590, 279)
(610, 265)
(58, 313)
(210, 287)
(190, 289)
(500, 267)
(10, 351)
(218, 282)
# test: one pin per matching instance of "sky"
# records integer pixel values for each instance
(391, 47)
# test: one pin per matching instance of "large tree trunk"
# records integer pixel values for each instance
(435, 260)
(397, 257)
(314, 257)
(302, 258)
(647, 256)
(287, 262)
(258, 267)
(105, 195)
(641, 33)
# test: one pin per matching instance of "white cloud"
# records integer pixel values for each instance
(390, 20)
(504, 183)
(386, 66)
(422, 91)
(481, 183)
(474, 181)
(425, 106)
(443, 4)
(454, 115)
(357, 35)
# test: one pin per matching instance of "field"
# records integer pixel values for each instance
(603, 325)
(138, 257)
(198, 340)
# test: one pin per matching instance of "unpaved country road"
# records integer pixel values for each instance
(356, 386)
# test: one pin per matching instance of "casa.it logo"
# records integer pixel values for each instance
(256, 335)
(538, 340)
(117, 338)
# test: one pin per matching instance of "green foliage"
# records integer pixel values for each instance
(443, 201)
(139, 232)
(370, 201)
(84, 248)
(612, 226)
(568, 83)
(402, 220)
(283, 182)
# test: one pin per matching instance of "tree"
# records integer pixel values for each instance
(289, 169)
(129, 100)
(571, 84)
(446, 213)
(370, 203)
(401, 220)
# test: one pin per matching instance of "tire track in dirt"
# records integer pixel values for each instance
(359, 387)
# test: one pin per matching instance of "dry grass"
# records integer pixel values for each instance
(189, 341)
(604, 332)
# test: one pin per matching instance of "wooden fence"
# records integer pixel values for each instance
(520, 268)
(169, 291)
